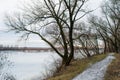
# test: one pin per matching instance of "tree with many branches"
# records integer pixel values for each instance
(109, 26)
(53, 21)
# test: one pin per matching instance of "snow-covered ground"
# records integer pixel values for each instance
(96, 71)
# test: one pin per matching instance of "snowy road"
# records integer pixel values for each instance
(96, 71)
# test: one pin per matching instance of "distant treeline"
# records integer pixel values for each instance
(11, 48)
(23, 48)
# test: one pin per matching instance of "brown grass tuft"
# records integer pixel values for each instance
(113, 72)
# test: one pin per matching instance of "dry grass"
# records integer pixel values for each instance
(113, 72)
(77, 67)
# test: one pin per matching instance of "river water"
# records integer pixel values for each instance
(26, 65)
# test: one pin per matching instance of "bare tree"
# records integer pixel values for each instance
(87, 39)
(109, 26)
(58, 17)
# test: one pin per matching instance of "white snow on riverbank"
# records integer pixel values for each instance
(96, 71)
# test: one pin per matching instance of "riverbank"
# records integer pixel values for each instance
(113, 71)
(77, 67)
(96, 71)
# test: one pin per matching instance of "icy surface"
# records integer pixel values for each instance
(30, 65)
(96, 71)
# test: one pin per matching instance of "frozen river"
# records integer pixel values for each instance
(27, 65)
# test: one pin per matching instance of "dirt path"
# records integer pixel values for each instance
(97, 70)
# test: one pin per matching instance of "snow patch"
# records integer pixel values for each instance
(96, 71)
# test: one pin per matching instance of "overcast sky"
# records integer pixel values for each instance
(13, 39)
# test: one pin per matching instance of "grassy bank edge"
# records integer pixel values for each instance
(113, 71)
(76, 67)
